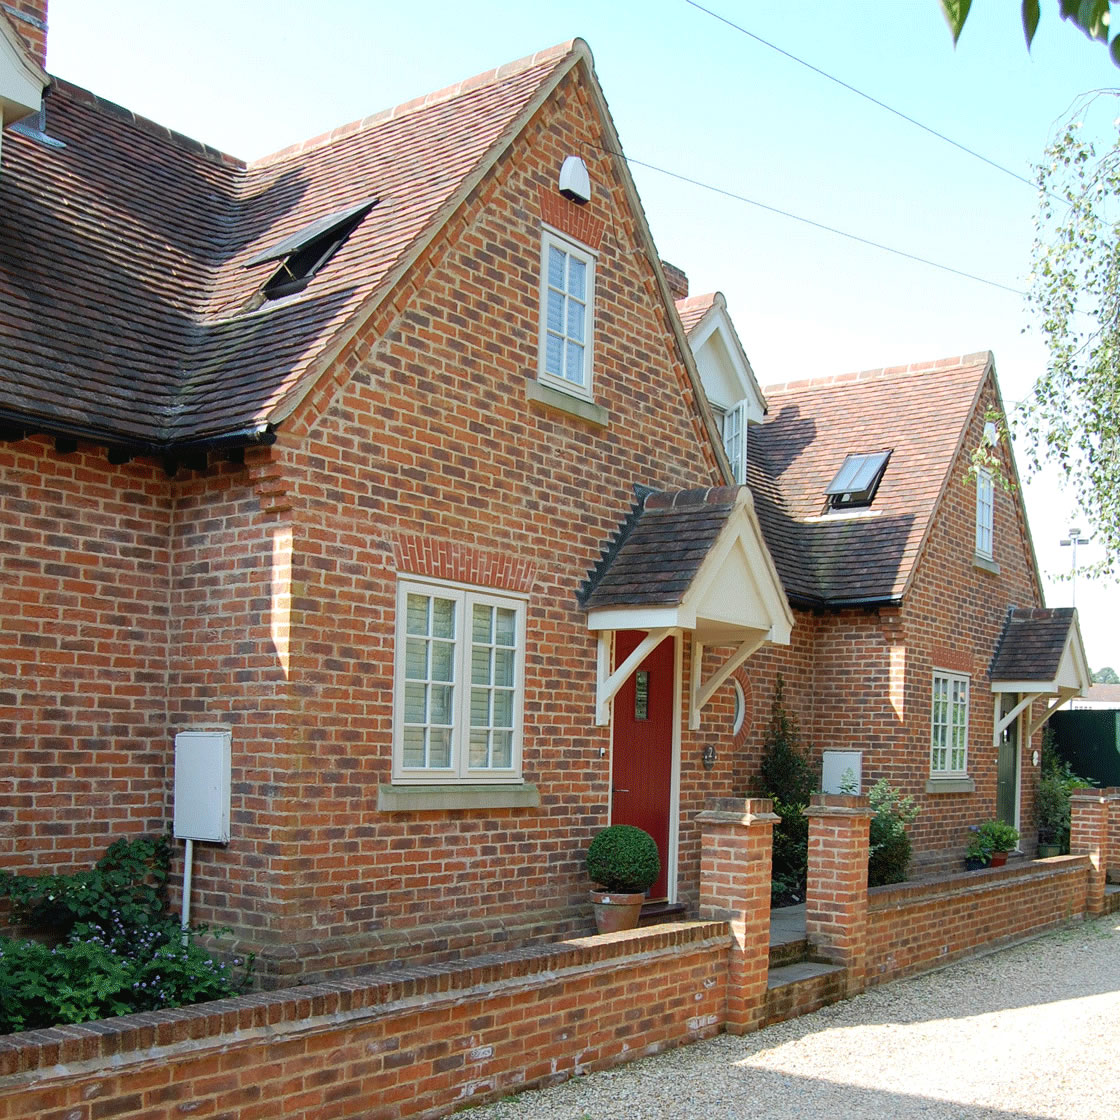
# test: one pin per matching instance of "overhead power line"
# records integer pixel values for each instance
(866, 96)
(817, 225)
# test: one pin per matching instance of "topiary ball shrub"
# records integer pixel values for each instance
(623, 859)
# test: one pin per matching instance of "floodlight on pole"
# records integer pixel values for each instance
(1071, 542)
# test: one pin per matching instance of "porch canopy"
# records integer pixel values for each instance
(686, 561)
(1040, 656)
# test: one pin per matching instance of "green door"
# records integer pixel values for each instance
(1007, 765)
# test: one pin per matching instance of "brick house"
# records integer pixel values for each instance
(312, 458)
(920, 641)
(387, 464)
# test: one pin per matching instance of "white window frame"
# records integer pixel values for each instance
(735, 417)
(949, 727)
(464, 598)
(550, 238)
(985, 513)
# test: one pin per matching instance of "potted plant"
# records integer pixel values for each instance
(623, 863)
(992, 842)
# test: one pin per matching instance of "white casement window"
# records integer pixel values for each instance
(567, 311)
(460, 660)
(949, 736)
(735, 439)
(985, 505)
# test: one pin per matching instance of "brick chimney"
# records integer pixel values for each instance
(29, 18)
(678, 281)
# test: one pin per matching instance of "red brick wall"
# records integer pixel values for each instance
(420, 1043)
(84, 608)
(913, 927)
(433, 438)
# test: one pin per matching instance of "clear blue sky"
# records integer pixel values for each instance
(693, 95)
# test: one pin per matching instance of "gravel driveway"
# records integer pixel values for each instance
(1025, 1033)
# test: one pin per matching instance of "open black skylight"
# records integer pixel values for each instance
(303, 254)
(857, 480)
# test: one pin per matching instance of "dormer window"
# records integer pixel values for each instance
(304, 253)
(857, 480)
(733, 428)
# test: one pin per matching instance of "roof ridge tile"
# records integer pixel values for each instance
(146, 124)
(484, 80)
(882, 373)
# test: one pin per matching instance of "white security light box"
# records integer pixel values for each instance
(202, 785)
(842, 772)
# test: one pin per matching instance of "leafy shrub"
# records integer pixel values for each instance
(889, 851)
(130, 880)
(787, 778)
(1056, 782)
(789, 855)
(120, 950)
(623, 858)
(786, 772)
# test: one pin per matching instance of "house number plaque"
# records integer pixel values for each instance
(641, 694)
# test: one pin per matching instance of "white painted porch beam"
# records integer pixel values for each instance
(700, 695)
(1064, 694)
(607, 686)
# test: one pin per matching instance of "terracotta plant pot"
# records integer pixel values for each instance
(998, 859)
(615, 911)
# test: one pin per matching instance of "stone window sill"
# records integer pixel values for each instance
(408, 799)
(950, 785)
(984, 564)
(556, 398)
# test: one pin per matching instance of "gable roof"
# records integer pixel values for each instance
(126, 278)
(859, 556)
(705, 318)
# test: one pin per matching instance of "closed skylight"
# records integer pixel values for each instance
(857, 479)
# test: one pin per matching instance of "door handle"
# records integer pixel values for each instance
(615, 789)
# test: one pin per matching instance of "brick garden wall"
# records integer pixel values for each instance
(913, 927)
(420, 1042)
(424, 1041)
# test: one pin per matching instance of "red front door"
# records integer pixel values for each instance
(642, 766)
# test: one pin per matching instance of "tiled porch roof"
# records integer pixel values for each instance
(1033, 642)
(660, 549)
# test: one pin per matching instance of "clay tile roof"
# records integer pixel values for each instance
(862, 555)
(1032, 643)
(124, 292)
(693, 309)
(660, 549)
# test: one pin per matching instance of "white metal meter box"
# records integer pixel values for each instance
(202, 781)
(842, 768)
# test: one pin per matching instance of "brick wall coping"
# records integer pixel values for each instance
(1109, 793)
(957, 883)
(839, 805)
(737, 810)
(160, 1035)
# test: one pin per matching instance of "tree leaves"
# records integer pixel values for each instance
(1072, 418)
(1091, 16)
(956, 12)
